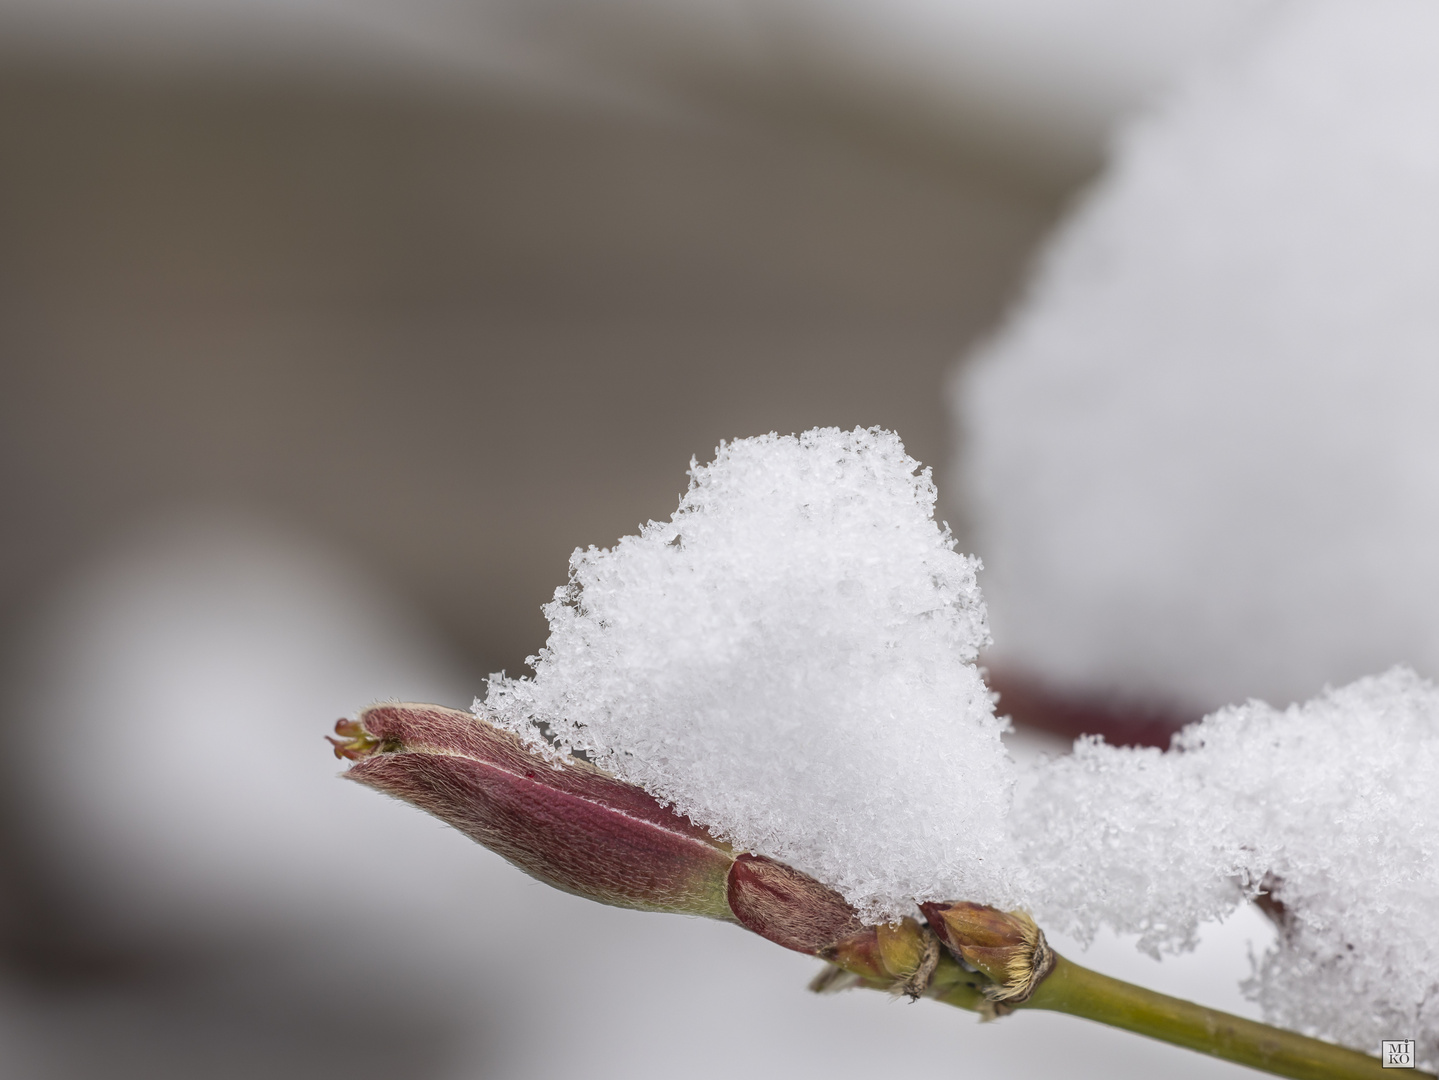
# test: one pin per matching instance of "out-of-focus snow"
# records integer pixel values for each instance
(1040, 78)
(1201, 460)
(1035, 79)
(173, 700)
(789, 660)
(1202, 465)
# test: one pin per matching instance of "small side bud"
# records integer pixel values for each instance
(910, 953)
(1005, 946)
(576, 828)
(899, 957)
(860, 956)
(794, 910)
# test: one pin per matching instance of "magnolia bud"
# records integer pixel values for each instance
(573, 827)
(1005, 946)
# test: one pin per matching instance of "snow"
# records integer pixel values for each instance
(790, 661)
(1201, 457)
(1201, 462)
(1202, 466)
(1328, 807)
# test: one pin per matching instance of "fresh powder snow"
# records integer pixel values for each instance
(1330, 810)
(790, 661)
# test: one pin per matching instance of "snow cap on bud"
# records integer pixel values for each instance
(1006, 946)
(573, 827)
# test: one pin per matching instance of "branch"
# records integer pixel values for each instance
(1070, 988)
(584, 831)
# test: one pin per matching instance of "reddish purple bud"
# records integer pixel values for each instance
(790, 908)
(586, 832)
(576, 828)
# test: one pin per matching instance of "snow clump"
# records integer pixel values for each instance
(1328, 808)
(790, 661)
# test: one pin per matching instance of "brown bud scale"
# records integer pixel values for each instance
(1005, 946)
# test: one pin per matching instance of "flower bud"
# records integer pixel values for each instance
(1005, 946)
(573, 827)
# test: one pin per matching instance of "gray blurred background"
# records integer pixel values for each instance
(327, 332)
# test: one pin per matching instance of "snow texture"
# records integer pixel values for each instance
(1201, 459)
(789, 660)
(1330, 808)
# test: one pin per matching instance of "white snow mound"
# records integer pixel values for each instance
(790, 661)
(1328, 807)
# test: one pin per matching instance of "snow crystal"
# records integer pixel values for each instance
(1329, 808)
(1202, 459)
(789, 660)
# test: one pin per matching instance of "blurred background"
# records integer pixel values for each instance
(327, 331)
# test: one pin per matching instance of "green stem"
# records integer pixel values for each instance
(1078, 991)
